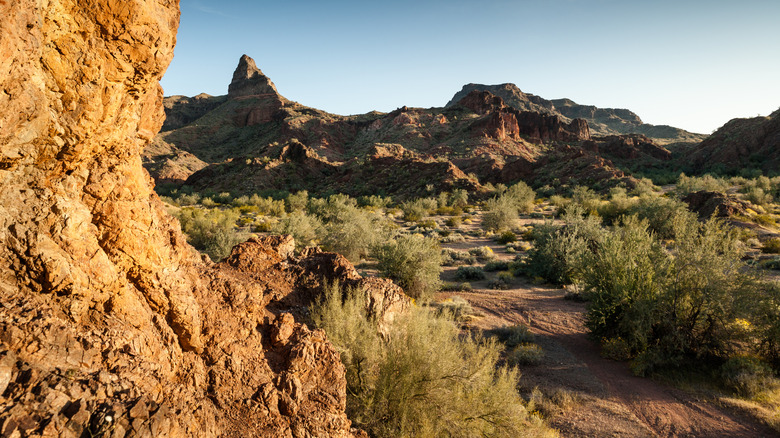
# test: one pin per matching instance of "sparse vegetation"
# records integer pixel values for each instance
(397, 387)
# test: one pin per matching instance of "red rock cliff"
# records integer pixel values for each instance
(109, 322)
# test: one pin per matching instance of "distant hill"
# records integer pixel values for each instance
(602, 121)
(253, 139)
(740, 144)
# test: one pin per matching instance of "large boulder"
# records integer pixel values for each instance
(110, 323)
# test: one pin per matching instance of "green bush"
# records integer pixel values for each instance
(482, 253)
(746, 375)
(675, 303)
(421, 378)
(521, 197)
(352, 232)
(414, 262)
(454, 257)
(525, 354)
(560, 251)
(305, 229)
(506, 237)
(498, 265)
(297, 201)
(469, 273)
(690, 184)
(455, 307)
(500, 214)
(513, 335)
(771, 246)
(210, 231)
(660, 213)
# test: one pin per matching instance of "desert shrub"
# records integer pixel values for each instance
(525, 354)
(186, 199)
(455, 307)
(352, 232)
(497, 265)
(644, 187)
(746, 375)
(506, 276)
(454, 257)
(521, 196)
(560, 203)
(506, 237)
(560, 251)
(297, 201)
(305, 229)
(418, 209)
(413, 261)
(268, 206)
(374, 201)
(210, 231)
(586, 199)
(457, 287)
(427, 223)
(660, 213)
(332, 208)
(482, 253)
(223, 197)
(469, 273)
(421, 378)
(512, 335)
(453, 221)
(459, 198)
(766, 220)
(500, 214)
(619, 204)
(771, 246)
(615, 349)
(676, 303)
(208, 203)
(690, 184)
(758, 196)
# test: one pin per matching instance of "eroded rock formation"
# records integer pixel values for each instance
(110, 324)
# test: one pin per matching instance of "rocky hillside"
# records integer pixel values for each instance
(253, 139)
(110, 323)
(738, 145)
(602, 121)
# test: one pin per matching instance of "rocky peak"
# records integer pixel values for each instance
(249, 80)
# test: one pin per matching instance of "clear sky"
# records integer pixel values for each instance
(693, 64)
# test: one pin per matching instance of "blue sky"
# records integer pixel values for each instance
(690, 64)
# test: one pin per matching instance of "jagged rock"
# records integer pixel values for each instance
(110, 323)
(630, 146)
(248, 80)
(707, 203)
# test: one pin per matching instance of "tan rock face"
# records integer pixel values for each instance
(110, 324)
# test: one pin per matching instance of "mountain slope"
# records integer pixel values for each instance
(602, 121)
(253, 139)
(740, 144)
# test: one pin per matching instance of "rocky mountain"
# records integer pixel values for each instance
(738, 145)
(253, 139)
(110, 323)
(601, 121)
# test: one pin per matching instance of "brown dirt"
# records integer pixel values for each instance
(606, 399)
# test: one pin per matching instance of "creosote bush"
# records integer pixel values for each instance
(422, 379)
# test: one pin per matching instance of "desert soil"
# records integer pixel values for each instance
(593, 396)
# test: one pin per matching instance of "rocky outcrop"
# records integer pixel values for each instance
(601, 121)
(110, 323)
(628, 147)
(248, 80)
(707, 204)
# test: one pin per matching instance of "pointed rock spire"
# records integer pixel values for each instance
(248, 80)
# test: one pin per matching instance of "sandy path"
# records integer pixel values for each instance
(610, 400)
(613, 402)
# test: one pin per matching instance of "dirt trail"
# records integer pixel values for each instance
(608, 399)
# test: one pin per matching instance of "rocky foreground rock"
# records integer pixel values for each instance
(110, 323)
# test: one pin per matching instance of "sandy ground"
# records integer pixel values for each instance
(602, 398)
